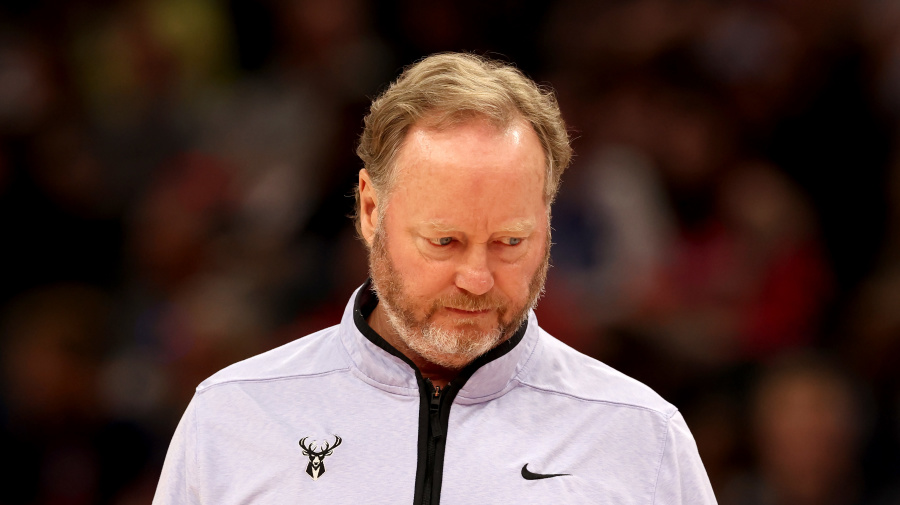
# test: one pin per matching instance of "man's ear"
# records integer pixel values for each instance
(368, 207)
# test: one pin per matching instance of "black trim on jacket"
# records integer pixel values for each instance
(432, 439)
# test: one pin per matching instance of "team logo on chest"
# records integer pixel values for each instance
(316, 466)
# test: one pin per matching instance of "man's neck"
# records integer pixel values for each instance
(439, 375)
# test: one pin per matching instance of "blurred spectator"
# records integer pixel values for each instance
(808, 425)
(59, 444)
(870, 340)
(27, 89)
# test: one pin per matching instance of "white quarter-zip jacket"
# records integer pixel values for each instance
(340, 417)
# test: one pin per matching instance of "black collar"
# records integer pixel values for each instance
(367, 300)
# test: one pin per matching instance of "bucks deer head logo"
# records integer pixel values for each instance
(316, 466)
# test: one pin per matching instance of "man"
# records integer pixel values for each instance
(438, 386)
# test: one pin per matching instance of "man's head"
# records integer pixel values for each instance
(463, 158)
(450, 88)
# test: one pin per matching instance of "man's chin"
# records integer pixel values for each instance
(469, 344)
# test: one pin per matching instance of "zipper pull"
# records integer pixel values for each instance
(436, 430)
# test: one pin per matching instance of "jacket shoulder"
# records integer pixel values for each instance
(559, 369)
(312, 355)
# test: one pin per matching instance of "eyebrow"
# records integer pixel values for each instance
(521, 226)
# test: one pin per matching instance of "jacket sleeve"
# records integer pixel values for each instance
(178, 483)
(682, 478)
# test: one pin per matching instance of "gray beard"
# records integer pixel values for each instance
(449, 348)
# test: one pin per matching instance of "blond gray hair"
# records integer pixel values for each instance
(449, 88)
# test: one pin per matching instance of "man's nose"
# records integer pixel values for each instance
(474, 274)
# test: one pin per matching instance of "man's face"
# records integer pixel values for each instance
(461, 253)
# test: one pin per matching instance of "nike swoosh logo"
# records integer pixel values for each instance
(528, 475)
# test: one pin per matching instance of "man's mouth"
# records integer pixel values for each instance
(464, 312)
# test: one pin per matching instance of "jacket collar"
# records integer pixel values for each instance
(487, 377)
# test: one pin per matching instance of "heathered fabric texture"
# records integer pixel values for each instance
(542, 404)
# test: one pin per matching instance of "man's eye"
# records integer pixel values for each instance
(444, 241)
(514, 241)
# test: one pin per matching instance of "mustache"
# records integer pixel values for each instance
(472, 303)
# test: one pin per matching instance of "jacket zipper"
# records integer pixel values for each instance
(435, 434)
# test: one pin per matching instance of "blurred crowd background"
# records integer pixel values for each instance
(176, 176)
